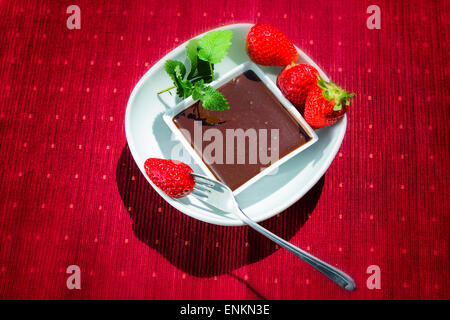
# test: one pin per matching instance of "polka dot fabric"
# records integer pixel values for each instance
(72, 195)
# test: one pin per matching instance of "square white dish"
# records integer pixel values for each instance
(186, 103)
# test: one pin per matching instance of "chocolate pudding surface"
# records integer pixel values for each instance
(252, 106)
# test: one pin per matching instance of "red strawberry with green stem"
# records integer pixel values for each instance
(295, 81)
(171, 176)
(326, 103)
(266, 45)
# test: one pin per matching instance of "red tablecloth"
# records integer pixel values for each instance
(72, 195)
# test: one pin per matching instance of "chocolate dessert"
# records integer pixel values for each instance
(252, 106)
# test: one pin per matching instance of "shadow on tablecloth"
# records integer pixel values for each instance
(198, 248)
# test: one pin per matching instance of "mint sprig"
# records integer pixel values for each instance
(202, 54)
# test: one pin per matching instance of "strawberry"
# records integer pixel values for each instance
(326, 103)
(268, 46)
(171, 176)
(295, 81)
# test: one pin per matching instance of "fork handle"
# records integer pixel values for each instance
(337, 276)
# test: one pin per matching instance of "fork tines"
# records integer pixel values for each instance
(202, 180)
(202, 187)
(200, 193)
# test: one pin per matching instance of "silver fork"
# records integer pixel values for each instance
(220, 196)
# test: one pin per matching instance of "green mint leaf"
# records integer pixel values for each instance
(187, 88)
(214, 100)
(200, 69)
(178, 81)
(214, 45)
(192, 54)
(204, 71)
(171, 65)
(197, 92)
(176, 70)
(180, 71)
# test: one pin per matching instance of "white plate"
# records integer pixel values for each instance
(149, 136)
